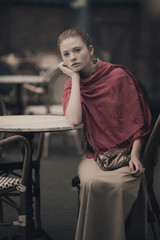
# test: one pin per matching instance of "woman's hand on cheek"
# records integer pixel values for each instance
(67, 70)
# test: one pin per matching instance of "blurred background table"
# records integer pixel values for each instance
(19, 81)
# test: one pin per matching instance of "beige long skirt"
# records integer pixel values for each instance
(112, 204)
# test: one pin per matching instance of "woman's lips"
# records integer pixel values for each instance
(75, 64)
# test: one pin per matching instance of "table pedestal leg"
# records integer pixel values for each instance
(29, 200)
(31, 231)
(19, 99)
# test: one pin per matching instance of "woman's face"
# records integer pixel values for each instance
(76, 55)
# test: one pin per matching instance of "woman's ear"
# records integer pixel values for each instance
(91, 50)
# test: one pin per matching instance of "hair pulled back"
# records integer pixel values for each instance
(74, 32)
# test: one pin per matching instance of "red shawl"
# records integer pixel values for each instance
(115, 109)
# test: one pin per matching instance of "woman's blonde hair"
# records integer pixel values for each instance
(74, 32)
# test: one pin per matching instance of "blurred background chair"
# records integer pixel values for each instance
(150, 160)
(3, 109)
(8, 91)
(31, 93)
(45, 59)
(11, 187)
(54, 81)
(11, 161)
(26, 67)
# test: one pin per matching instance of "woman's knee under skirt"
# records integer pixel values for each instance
(106, 202)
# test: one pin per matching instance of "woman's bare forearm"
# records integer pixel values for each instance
(136, 166)
(74, 109)
(136, 148)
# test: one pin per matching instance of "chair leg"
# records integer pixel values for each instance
(22, 217)
(76, 183)
(78, 201)
(23, 233)
(155, 205)
(1, 211)
(153, 221)
(37, 199)
(154, 214)
(46, 145)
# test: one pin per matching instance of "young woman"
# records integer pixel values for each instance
(108, 100)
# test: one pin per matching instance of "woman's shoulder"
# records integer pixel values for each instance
(120, 69)
(116, 68)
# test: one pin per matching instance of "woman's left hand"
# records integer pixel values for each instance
(136, 166)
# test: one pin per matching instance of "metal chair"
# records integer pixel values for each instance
(8, 91)
(30, 92)
(26, 67)
(16, 186)
(150, 159)
(45, 59)
(54, 81)
(11, 160)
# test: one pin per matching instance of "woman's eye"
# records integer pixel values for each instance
(77, 50)
(65, 54)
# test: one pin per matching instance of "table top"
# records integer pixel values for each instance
(20, 79)
(35, 123)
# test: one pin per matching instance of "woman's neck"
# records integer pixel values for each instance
(91, 70)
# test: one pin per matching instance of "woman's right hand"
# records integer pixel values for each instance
(67, 70)
(74, 108)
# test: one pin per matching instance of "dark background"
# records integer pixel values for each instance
(123, 31)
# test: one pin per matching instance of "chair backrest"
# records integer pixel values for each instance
(27, 68)
(45, 59)
(55, 79)
(3, 108)
(151, 152)
(6, 69)
(27, 153)
(3, 112)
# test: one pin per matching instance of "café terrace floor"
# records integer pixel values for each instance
(58, 200)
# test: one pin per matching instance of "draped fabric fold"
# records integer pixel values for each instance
(114, 106)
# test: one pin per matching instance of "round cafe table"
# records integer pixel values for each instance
(27, 125)
(35, 123)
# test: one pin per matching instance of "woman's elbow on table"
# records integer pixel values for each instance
(74, 121)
